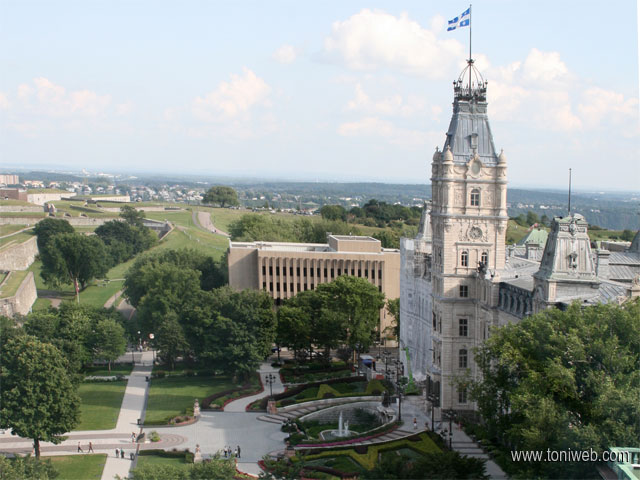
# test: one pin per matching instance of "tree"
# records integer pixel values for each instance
(358, 303)
(109, 340)
(560, 380)
(443, 465)
(38, 399)
(26, 468)
(123, 240)
(294, 328)
(532, 218)
(223, 196)
(393, 307)
(132, 215)
(627, 235)
(49, 227)
(170, 340)
(333, 212)
(73, 258)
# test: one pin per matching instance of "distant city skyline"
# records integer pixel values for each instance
(344, 91)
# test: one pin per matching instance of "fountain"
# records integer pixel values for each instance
(341, 432)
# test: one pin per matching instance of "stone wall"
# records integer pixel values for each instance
(20, 256)
(42, 198)
(75, 221)
(332, 414)
(21, 302)
(20, 208)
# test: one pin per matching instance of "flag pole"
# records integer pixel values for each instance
(470, 60)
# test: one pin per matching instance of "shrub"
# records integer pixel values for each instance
(154, 436)
(160, 374)
(361, 449)
(189, 373)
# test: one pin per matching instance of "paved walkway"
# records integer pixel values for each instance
(104, 441)
(240, 405)
(204, 220)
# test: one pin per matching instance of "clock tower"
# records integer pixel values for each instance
(469, 221)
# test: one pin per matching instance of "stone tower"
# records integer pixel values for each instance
(469, 220)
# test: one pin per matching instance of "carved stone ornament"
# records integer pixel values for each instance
(475, 233)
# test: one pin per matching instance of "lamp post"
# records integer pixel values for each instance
(449, 414)
(139, 340)
(153, 350)
(401, 383)
(269, 379)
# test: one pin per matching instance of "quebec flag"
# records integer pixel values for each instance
(461, 21)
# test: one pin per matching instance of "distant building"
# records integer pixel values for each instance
(284, 269)
(13, 194)
(458, 279)
(8, 179)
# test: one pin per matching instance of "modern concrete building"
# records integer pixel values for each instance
(284, 269)
(9, 179)
(457, 278)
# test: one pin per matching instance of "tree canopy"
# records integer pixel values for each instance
(132, 215)
(38, 399)
(49, 227)
(73, 258)
(123, 241)
(221, 195)
(562, 379)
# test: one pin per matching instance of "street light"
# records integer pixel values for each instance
(153, 350)
(269, 379)
(401, 383)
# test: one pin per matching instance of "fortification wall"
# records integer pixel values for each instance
(20, 208)
(22, 301)
(20, 256)
(75, 221)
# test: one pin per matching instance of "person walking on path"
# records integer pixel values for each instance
(90, 448)
(133, 437)
(122, 453)
(238, 450)
(117, 453)
(415, 423)
(80, 448)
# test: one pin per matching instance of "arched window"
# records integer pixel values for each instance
(462, 358)
(464, 259)
(475, 197)
(484, 259)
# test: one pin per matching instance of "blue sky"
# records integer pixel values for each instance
(327, 90)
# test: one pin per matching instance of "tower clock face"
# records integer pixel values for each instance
(475, 233)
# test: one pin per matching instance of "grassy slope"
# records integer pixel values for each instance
(7, 229)
(100, 404)
(9, 288)
(15, 239)
(79, 467)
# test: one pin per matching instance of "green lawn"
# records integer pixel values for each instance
(41, 304)
(100, 404)
(7, 229)
(16, 239)
(98, 292)
(172, 396)
(79, 467)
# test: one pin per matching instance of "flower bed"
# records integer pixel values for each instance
(376, 432)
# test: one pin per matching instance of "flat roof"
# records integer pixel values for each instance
(355, 238)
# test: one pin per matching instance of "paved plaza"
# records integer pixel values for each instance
(213, 431)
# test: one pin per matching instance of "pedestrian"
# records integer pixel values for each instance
(238, 450)
(122, 453)
(224, 451)
(117, 453)
(133, 437)
(415, 423)
(235, 453)
(91, 448)
(80, 448)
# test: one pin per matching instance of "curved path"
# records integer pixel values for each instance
(203, 219)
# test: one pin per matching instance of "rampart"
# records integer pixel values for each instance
(20, 256)
(21, 302)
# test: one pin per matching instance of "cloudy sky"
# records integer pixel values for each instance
(317, 90)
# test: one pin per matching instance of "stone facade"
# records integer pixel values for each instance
(20, 256)
(22, 301)
(42, 198)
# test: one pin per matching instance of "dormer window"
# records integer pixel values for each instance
(475, 197)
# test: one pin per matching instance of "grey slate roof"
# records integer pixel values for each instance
(470, 119)
(623, 272)
(624, 258)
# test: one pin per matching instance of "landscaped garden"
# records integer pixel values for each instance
(313, 372)
(334, 388)
(100, 404)
(79, 467)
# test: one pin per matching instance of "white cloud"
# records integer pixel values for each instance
(285, 54)
(393, 105)
(4, 101)
(541, 91)
(373, 39)
(233, 98)
(45, 98)
(376, 127)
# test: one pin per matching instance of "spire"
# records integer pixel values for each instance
(424, 229)
(469, 131)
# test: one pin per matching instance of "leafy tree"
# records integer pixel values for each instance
(627, 235)
(38, 399)
(109, 340)
(358, 303)
(26, 468)
(223, 196)
(48, 228)
(73, 258)
(562, 379)
(294, 328)
(131, 215)
(393, 307)
(123, 240)
(170, 340)
(532, 218)
(546, 222)
(333, 212)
